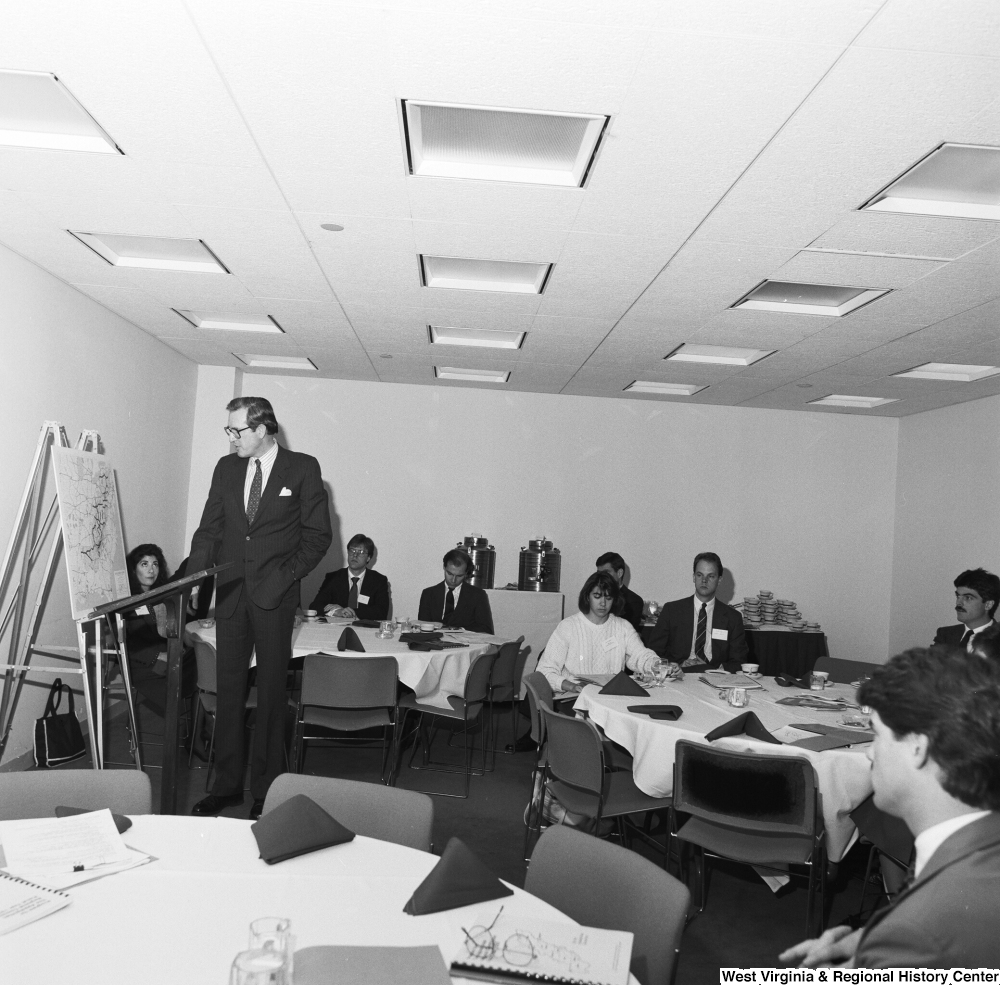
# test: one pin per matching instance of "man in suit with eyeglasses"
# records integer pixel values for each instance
(356, 591)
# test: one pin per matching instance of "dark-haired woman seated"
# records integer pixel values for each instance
(146, 631)
(596, 640)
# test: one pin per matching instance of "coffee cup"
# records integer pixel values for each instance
(750, 668)
(818, 679)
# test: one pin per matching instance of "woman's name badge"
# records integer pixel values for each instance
(609, 644)
(143, 610)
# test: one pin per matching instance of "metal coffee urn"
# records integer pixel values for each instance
(539, 567)
(484, 560)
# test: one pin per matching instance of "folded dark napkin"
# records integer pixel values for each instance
(122, 823)
(435, 645)
(459, 879)
(665, 713)
(367, 623)
(746, 724)
(621, 683)
(787, 680)
(418, 637)
(297, 827)
(349, 641)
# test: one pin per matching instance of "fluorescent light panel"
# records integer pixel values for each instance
(473, 375)
(232, 323)
(492, 143)
(475, 337)
(468, 274)
(844, 400)
(719, 354)
(949, 371)
(665, 389)
(153, 252)
(808, 299)
(958, 181)
(275, 362)
(37, 110)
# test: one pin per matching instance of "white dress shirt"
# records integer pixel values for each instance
(929, 841)
(266, 462)
(710, 608)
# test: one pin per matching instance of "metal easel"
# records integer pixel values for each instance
(31, 530)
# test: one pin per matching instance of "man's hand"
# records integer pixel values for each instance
(674, 672)
(337, 613)
(834, 947)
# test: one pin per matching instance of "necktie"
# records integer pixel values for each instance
(254, 501)
(352, 599)
(965, 639)
(699, 638)
(449, 605)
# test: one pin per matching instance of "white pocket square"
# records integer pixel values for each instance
(285, 491)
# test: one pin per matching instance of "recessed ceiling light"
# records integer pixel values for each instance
(720, 354)
(37, 110)
(275, 362)
(665, 389)
(468, 274)
(231, 323)
(475, 337)
(808, 299)
(153, 252)
(475, 375)
(491, 143)
(843, 400)
(949, 371)
(954, 180)
(331, 227)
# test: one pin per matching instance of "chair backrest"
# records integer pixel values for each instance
(349, 682)
(539, 696)
(404, 817)
(204, 656)
(505, 667)
(477, 681)
(575, 751)
(844, 671)
(755, 792)
(889, 834)
(601, 885)
(37, 793)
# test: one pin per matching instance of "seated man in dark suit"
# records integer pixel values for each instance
(453, 601)
(355, 591)
(977, 593)
(614, 564)
(701, 631)
(935, 765)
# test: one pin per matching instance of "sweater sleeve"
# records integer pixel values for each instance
(637, 656)
(552, 662)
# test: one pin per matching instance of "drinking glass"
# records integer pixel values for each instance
(275, 934)
(385, 629)
(259, 966)
(737, 697)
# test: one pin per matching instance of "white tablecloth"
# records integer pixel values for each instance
(432, 675)
(844, 775)
(181, 919)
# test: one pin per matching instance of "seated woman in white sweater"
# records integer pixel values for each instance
(594, 641)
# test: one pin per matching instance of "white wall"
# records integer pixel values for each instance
(65, 358)
(946, 513)
(798, 503)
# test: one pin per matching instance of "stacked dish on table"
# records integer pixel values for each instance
(764, 611)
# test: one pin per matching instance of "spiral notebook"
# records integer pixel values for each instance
(23, 902)
(510, 949)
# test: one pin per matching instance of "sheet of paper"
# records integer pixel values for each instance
(789, 734)
(22, 903)
(62, 844)
(52, 879)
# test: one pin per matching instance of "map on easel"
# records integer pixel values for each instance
(92, 528)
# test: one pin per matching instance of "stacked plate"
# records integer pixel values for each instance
(763, 610)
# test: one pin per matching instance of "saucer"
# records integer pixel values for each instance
(854, 728)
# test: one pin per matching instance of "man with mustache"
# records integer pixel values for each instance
(977, 593)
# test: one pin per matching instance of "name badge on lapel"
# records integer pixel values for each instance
(363, 599)
(285, 491)
(720, 634)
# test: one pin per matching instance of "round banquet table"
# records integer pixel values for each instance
(182, 918)
(432, 675)
(844, 775)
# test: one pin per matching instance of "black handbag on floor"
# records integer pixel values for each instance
(58, 738)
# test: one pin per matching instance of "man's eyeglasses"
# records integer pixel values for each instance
(357, 552)
(234, 433)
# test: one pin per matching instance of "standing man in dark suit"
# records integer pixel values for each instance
(355, 591)
(267, 512)
(701, 631)
(977, 593)
(455, 603)
(614, 565)
(936, 765)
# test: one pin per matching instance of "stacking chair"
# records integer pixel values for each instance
(580, 780)
(347, 694)
(844, 671)
(761, 810)
(892, 842)
(539, 694)
(465, 713)
(37, 793)
(602, 885)
(404, 817)
(505, 685)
